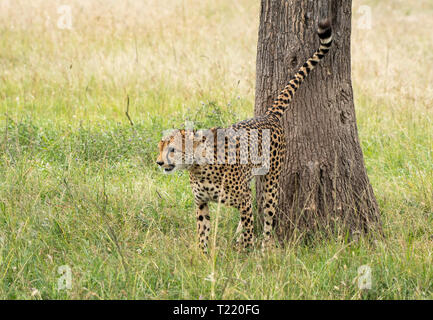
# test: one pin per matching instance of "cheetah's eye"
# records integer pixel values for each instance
(171, 149)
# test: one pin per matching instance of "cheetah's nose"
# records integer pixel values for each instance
(159, 163)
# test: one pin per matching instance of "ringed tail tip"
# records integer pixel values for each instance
(325, 31)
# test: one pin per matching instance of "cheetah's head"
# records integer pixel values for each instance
(182, 149)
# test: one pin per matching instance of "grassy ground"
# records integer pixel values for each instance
(78, 185)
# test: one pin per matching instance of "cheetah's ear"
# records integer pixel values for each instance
(168, 134)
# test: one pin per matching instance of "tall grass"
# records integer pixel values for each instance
(78, 184)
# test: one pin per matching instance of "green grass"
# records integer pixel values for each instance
(91, 198)
(79, 187)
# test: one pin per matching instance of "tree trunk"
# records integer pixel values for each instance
(324, 184)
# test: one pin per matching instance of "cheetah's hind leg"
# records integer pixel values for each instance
(270, 204)
(245, 229)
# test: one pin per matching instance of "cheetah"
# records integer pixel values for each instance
(222, 161)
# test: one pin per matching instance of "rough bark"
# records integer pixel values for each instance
(324, 185)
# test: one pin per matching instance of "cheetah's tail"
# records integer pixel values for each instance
(286, 95)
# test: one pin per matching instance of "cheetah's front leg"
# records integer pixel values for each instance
(203, 225)
(247, 220)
